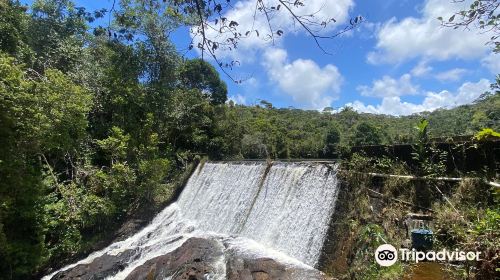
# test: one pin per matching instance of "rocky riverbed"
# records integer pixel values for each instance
(197, 258)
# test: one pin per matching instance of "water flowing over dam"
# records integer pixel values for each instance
(279, 210)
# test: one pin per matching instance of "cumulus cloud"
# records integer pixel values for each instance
(421, 69)
(492, 62)
(451, 75)
(388, 86)
(308, 84)
(393, 105)
(237, 99)
(252, 82)
(412, 37)
(243, 12)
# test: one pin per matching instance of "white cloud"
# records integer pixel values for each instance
(238, 99)
(421, 69)
(451, 75)
(393, 105)
(388, 86)
(424, 70)
(412, 37)
(243, 13)
(492, 62)
(306, 82)
(252, 82)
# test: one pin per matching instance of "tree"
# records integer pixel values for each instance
(328, 110)
(205, 16)
(199, 74)
(43, 122)
(481, 13)
(253, 146)
(148, 24)
(348, 116)
(332, 140)
(266, 104)
(189, 120)
(57, 35)
(13, 25)
(366, 134)
(496, 85)
(21, 223)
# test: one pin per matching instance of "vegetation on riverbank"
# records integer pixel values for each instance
(465, 215)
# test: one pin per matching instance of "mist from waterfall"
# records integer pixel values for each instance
(279, 210)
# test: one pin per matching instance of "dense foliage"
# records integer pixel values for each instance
(91, 128)
(95, 125)
(263, 131)
(375, 211)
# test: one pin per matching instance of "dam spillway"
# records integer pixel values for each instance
(286, 206)
(283, 207)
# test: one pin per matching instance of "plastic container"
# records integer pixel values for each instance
(422, 239)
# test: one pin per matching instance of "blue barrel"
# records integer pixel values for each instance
(422, 239)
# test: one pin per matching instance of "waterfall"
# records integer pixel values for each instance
(287, 208)
(283, 207)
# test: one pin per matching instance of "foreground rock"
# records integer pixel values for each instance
(197, 258)
(100, 268)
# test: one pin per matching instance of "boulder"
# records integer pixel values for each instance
(99, 268)
(196, 259)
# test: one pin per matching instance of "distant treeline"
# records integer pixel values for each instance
(263, 131)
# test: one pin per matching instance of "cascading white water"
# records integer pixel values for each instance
(283, 206)
(288, 208)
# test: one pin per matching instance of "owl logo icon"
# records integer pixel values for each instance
(386, 255)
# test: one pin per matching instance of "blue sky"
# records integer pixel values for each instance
(399, 61)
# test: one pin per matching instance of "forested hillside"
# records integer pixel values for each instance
(261, 131)
(95, 124)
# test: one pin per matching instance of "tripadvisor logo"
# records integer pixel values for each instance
(387, 255)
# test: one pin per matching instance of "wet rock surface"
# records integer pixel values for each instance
(266, 268)
(100, 268)
(197, 258)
